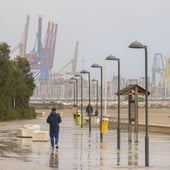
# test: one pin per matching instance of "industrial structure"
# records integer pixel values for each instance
(49, 84)
(72, 62)
(21, 46)
(158, 69)
(158, 77)
(167, 76)
(41, 56)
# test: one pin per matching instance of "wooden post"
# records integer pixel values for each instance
(136, 114)
(129, 121)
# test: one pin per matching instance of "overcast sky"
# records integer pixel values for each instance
(102, 27)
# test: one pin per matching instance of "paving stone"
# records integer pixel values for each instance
(40, 136)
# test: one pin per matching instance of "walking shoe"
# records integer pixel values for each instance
(56, 147)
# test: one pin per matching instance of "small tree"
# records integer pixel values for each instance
(23, 83)
(16, 86)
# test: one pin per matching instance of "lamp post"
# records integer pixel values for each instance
(87, 72)
(101, 114)
(73, 78)
(97, 95)
(113, 58)
(74, 91)
(78, 75)
(138, 45)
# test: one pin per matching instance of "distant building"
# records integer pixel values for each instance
(131, 81)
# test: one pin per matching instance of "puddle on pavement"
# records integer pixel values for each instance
(79, 149)
(10, 146)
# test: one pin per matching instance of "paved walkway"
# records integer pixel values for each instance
(80, 151)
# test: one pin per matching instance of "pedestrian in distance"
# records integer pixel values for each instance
(54, 119)
(89, 110)
(74, 111)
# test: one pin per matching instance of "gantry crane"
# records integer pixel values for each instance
(158, 76)
(22, 45)
(167, 76)
(72, 62)
(41, 57)
(158, 69)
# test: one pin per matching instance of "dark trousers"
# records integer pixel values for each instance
(54, 137)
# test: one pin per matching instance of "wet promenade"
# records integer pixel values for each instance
(80, 151)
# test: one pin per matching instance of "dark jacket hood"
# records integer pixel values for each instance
(53, 114)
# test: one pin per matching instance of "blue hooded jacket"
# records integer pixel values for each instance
(54, 119)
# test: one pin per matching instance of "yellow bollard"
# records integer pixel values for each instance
(105, 123)
(78, 119)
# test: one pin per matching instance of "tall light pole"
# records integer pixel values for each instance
(74, 91)
(97, 94)
(76, 80)
(138, 45)
(78, 75)
(89, 112)
(101, 114)
(113, 58)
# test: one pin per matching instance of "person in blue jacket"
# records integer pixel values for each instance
(89, 110)
(54, 119)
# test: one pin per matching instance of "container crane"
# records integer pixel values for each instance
(41, 57)
(167, 76)
(158, 76)
(72, 62)
(158, 69)
(22, 45)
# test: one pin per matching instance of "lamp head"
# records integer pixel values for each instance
(72, 82)
(84, 71)
(77, 75)
(73, 78)
(111, 57)
(136, 44)
(94, 80)
(96, 66)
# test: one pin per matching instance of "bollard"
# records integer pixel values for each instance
(78, 119)
(105, 122)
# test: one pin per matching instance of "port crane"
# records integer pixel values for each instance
(22, 45)
(72, 62)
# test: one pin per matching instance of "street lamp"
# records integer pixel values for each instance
(73, 78)
(113, 58)
(78, 75)
(74, 91)
(97, 95)
(87, 72)
(137, 45)
(101, 115)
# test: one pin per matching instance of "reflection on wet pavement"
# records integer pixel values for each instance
(53, 162)
(79, 150)
(132, 154)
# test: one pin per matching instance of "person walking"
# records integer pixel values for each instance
(89, 110)
(74, 111)
(54, 119)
